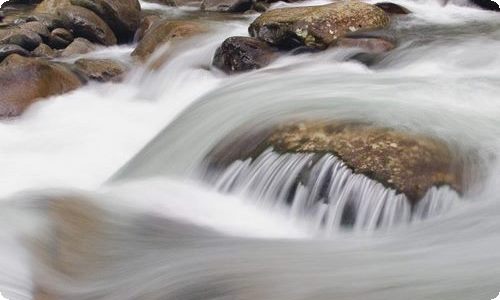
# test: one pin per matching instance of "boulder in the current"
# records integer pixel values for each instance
(316, 27)
(239, 53)
(24, 81)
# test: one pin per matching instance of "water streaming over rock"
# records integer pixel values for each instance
(324, 189)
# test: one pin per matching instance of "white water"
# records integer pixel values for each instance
(330, 196)
(442, 80)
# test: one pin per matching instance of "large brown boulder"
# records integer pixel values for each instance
(166, 31)
(239, 53)
(24, 81)
(85, 23)
(123, 16)
(316, 26)
(406, 162)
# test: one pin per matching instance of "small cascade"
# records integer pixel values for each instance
(322, 188)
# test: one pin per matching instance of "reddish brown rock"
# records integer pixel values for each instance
(24, 81)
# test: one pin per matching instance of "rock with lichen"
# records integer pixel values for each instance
(406, 162)
(316, 27)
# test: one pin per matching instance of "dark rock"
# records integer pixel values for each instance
(85, 23)
(226, 5)
(78, 46)
(27, 39)
(60, 38)
(393, 9)
(487, 4)
(43, 50)
(102, 70)
(123, 16)
(6, 50)
(24, 81)
(316, 26)
(238, 54)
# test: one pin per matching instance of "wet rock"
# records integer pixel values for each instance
(226, 5)
(368, 45)
(406, 162)
(51, 6)
(316, 26)
(24, 81)
(43, 50)
(147, 23)
(24, 38)
(37, 27)
(60, 38)
(102, 70)
(487, 4)
(392, 8)
(48, 20)
(164, 32)
(85, 23)
(78, 46)
(6, 50)
(123, 16)
(238, 54)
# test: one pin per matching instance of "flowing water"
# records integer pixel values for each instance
(171, 229)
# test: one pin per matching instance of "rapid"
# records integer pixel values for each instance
(167, 227)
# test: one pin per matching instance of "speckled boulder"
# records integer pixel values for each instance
(316, 26)
(406, 162)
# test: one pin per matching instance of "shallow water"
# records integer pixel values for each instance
(442, 80)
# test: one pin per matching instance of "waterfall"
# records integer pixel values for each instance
(323, 188)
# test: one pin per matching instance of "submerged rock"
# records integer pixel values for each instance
(408, 163)
(24, 81)
(316, 26)
(123, 16)
(238, 54)
(101, 70)
(368, 45)
(164, 32)
(226, 5)
(85, 23)
(393, 9)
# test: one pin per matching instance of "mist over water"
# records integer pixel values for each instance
(167, 232)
